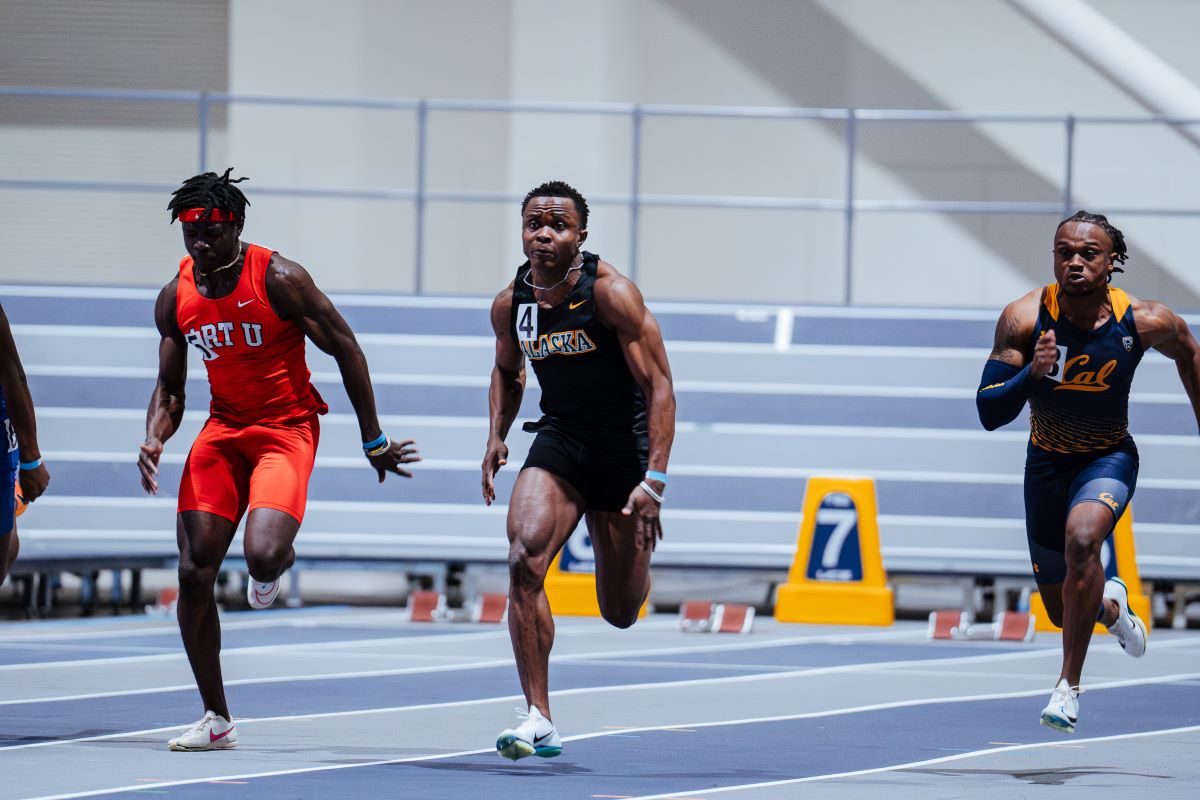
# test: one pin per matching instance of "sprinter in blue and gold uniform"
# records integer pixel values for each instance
(1070, 349)
(22, 466)
(608, 421)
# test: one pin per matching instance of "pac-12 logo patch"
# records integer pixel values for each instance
(1128, 342)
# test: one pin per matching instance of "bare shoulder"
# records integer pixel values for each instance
(285, 272)
(164, 308)
(618, 299)
(502, 308)
(291, 290)
(1015, 327)
(1156, 322)
(1021, 314)
(1025, 307)
(609, 277)
(169, 292)
(1150, 313)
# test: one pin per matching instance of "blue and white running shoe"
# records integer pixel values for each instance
(1063, 709)
(1129, 628)
(534, 736)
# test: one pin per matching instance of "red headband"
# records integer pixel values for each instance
(205, 215)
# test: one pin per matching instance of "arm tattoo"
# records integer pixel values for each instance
(1008, 336)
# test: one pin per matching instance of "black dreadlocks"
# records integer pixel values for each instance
(209, 191)
(560, 189)
(1120, 252)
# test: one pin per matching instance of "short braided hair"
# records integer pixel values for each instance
(1120, 252)
(560, 189)
(209, 191)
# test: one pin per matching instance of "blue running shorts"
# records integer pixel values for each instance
(1054, 484)
(8, 486)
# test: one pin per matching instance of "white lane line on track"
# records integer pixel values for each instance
(148, 626)
(383, 673)
(655, 686)
(75, 648)
(301, 647)
(304, 618)
(828, 713)
(698, 793)
(927, 701)
(460, 665)
(914, 634)
(632, 657)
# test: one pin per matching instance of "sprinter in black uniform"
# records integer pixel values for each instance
(1070, 349)
(608, 421)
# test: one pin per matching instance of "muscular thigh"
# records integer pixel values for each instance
(618, 560)
(544, 510)
(216, 475)
(1054, 488)
(203, 539)
(281, 459)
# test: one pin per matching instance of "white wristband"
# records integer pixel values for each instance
(655, 496)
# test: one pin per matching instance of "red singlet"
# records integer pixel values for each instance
(258, 446)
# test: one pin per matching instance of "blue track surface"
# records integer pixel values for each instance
(23, 723)
(653, 762)
(44, 649)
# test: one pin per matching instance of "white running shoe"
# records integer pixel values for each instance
(261, 595)
(1129, 628)
(213, 732)
(1063, 709)
(534, 736)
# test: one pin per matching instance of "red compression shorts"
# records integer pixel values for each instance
(232, 468)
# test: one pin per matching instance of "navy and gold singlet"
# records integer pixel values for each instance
(9, 461)
(1082, 406)
(588, 391)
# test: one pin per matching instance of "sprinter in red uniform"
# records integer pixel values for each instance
(247, 311)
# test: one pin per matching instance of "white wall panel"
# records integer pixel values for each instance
(932, 54)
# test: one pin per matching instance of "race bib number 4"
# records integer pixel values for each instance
(527, 322)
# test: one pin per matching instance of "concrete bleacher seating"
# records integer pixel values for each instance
(766, 398)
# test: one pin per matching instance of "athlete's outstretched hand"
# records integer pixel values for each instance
(495, 458)
(151, 450)
(33, 482)
(647, 524)
(390, 460)
(1045, 355)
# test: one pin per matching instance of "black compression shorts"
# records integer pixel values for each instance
(604, 477)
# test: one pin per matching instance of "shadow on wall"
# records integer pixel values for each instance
(788, 50)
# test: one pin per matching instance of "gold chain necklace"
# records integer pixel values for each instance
(236, 256)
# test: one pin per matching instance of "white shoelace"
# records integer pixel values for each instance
(1061, 694)
(210, 716)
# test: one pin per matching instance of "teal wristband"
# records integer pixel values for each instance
(371, 445)
(661, 477)
(28, 465)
